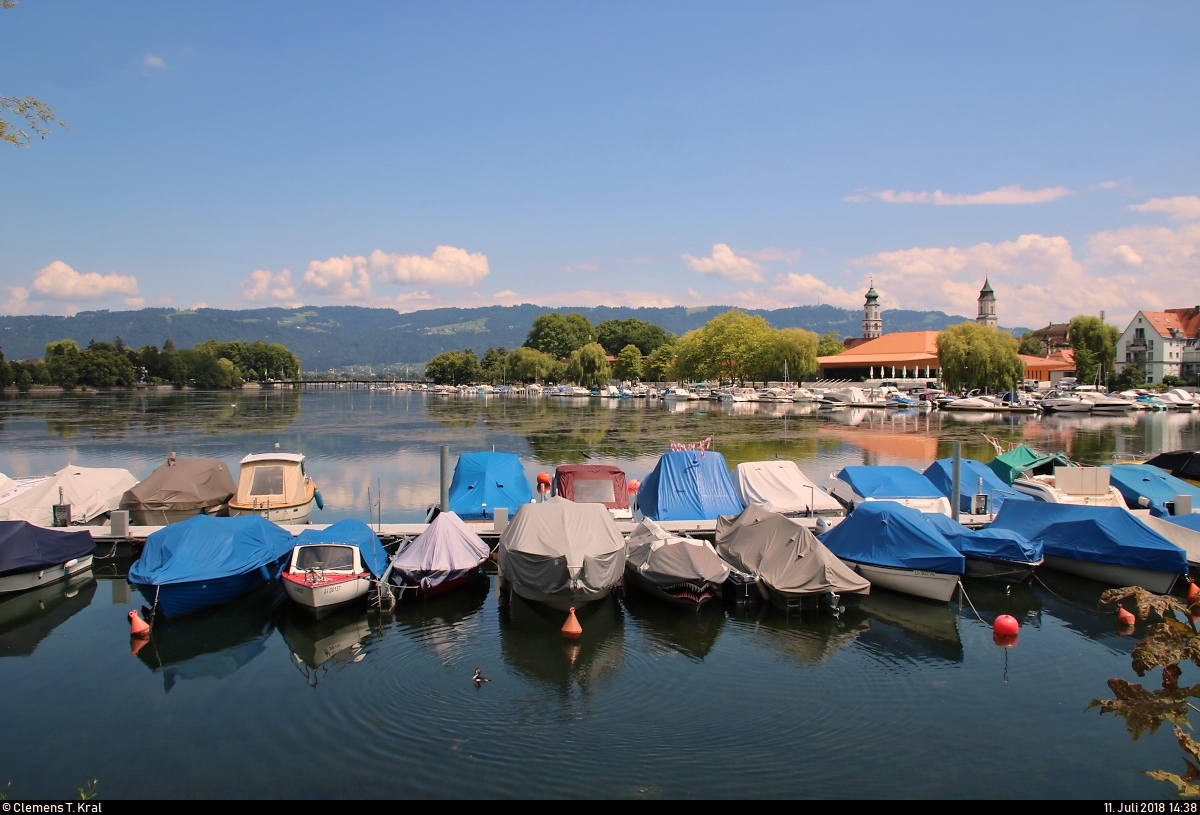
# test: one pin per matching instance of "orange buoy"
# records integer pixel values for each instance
(137, 626)
(1193, 592)
(1124, 616)
(1006, 626)
(1004, 640)
(543, 478)
(571, 628)
(633, 486)
(136, 644)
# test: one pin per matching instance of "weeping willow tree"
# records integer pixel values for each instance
(977, 356)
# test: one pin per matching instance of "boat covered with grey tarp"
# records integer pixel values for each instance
(179, 489)
(791, 564)
(562, 553)
(684, 571)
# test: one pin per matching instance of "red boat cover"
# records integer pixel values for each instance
(592, 484)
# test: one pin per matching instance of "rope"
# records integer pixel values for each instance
(1047, 588)
(963, 590)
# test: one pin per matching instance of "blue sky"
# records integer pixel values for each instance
(419, 155)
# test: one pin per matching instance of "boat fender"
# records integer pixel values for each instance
(320, 500)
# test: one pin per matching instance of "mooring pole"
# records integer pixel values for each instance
(956, 480)
(445, 494)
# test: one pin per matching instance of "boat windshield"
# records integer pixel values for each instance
(325, 558)
(594, 491)
(267, 481)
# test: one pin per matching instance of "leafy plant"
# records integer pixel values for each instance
(1167, 643)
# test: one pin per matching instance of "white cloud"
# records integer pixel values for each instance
(134, 302)
(1124, 255)
(1012, 194)
(261, 286)
(1180, 208)
(725, 263)
(447, 266)
(803, 289)
(344, 278)
(58, 281)
(1165, 260)
(154, 61)
(18, 300)
(1036, 278)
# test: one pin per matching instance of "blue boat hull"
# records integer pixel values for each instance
(177, 599)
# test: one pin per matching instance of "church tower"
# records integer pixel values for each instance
(872, 320)
(987, 305)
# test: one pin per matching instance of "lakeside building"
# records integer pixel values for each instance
(903, 354)
(1049, 369)
(987, 305)
(1162, 343)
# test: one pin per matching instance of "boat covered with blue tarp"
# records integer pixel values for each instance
(1107, 544)
(941, 474)
(205, 561)
(688, 485)
(484, 481)
(26, 547)
(1158, 487)
(354, 533)
(886, 482)
(895, 546)
(1001, 553)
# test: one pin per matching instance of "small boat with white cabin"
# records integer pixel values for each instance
(1081, 486)
(332, 567)
(275, 486)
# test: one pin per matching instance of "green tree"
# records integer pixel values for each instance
(796, 347)
(1099, 342)
(494, 364)
(830, 345)
(730, 346)
(557, 335)
(1131, 376)
(616, 334)
(976, 356)
(629, 363)
(454, 368)
(589, 366)
(530, 365)
(1030, 345)
(6, 372)
(658, 366)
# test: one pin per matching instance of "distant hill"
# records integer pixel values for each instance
(328, 337)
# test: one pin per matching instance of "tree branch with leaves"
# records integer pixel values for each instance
(37, 115)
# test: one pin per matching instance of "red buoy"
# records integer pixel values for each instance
(543, 478)
(633, 486)
(571, 628)
(1124, 616)
(137, 626)
(1006, 626)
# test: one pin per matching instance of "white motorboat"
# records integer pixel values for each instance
(1102, 403)
(1065, 403)
(1081, 486)
(331, 567)
(275, 486)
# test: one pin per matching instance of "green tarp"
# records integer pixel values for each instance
(1011, 465)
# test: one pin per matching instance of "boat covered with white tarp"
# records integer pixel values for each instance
(780, 486)
(91, 492)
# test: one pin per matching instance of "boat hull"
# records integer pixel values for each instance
(283, 514)
(325, 594)
(936, 586)
(561, 601)
(683, 594)
(162, 517)
(24, 581)
(1007, 570)
(1113, 575)
(463, 578)
(178, 599)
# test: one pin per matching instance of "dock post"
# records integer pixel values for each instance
(956, 480)
(445, 493)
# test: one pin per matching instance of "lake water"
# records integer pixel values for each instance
(896, 699)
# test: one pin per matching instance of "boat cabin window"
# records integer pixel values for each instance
(594, 492)
(267, 481)
(324, 557)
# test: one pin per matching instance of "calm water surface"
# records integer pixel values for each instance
(897, 699)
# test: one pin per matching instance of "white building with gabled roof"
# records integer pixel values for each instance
(1162, 343)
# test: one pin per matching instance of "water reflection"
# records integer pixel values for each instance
(532, 643)
(321, 648)
(29, 617)
(445, 623)
(690, 632)
(214, 643)
(811, 639)
(911, 629)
